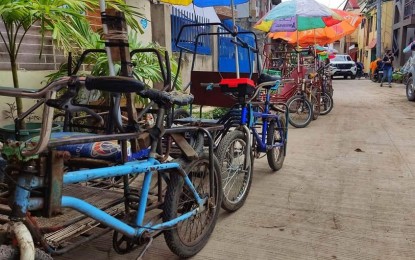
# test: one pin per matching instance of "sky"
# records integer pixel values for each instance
(331, 3)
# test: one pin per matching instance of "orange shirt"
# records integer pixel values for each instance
(373, 66)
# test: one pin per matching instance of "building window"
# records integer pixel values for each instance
(370, 24)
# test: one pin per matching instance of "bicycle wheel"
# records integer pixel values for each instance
(275, 134)
(316, 106)
(191, 235)
(300, 111)
(326, 104)
(180, 113)
(236, 176)
(195, 139)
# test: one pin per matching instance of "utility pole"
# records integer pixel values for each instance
(379, 29)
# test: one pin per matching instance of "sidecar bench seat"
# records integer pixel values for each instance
(105, 150)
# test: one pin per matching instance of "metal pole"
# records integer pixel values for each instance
(115, 97)
(379, 28)
(107, 49)
(298, 51)
(235, 28)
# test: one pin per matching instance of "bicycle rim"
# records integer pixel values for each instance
(236, 175)
(300, 112)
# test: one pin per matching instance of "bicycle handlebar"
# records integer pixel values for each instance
(47, 93)
(245, 45)
(268, 84)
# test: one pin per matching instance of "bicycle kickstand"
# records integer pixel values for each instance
(150, 241)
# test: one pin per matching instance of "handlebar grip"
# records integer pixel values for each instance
(61, 102)
(114, 84)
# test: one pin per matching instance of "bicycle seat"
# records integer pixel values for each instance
(130, 85)
(267, 78)
(114, 84)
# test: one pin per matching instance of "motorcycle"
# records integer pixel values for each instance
(377, 76)
(359, 72)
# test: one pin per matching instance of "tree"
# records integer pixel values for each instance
(56, 16)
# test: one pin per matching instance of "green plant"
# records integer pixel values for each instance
(11, 113)
(215, 113)
(56, 16)
(146, 67)
(397, 76)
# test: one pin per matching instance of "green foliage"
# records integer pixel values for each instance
(215, 113)
(11, 113)
(56, 16)
(146, 67)
(397, 76)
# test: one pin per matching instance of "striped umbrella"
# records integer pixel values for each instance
(297, 15)
(205, 3)
(325, 35)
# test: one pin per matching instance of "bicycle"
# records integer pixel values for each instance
(326, 91)
(36, 177)
(241, 145)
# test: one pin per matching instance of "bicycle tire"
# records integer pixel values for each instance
(296, 105)
(8, 252)
(316, 106)
(173, 206)
(240, 179)
(326, 104)
(410, 94)
(180, 113)
(276, 155)
(195, 139)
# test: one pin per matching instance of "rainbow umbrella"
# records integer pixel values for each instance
(325, 35)
(297, 15)
(205, 3)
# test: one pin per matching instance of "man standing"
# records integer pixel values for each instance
(387, 67)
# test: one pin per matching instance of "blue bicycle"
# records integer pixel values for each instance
(262, 128)
(36, 176)
(240, 141)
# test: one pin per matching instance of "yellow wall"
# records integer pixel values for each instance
(387, 23)
(143, 7)
(27, 79)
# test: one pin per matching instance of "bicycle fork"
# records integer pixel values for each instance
(247, 132)
(22, 204)
(248, 149)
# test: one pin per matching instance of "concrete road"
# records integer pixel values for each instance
(346, 190)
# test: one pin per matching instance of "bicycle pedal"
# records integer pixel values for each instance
(150, 241)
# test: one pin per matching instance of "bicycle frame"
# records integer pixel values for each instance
(261, 140)
(52, 200)
(266, 116)
(23, 203)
